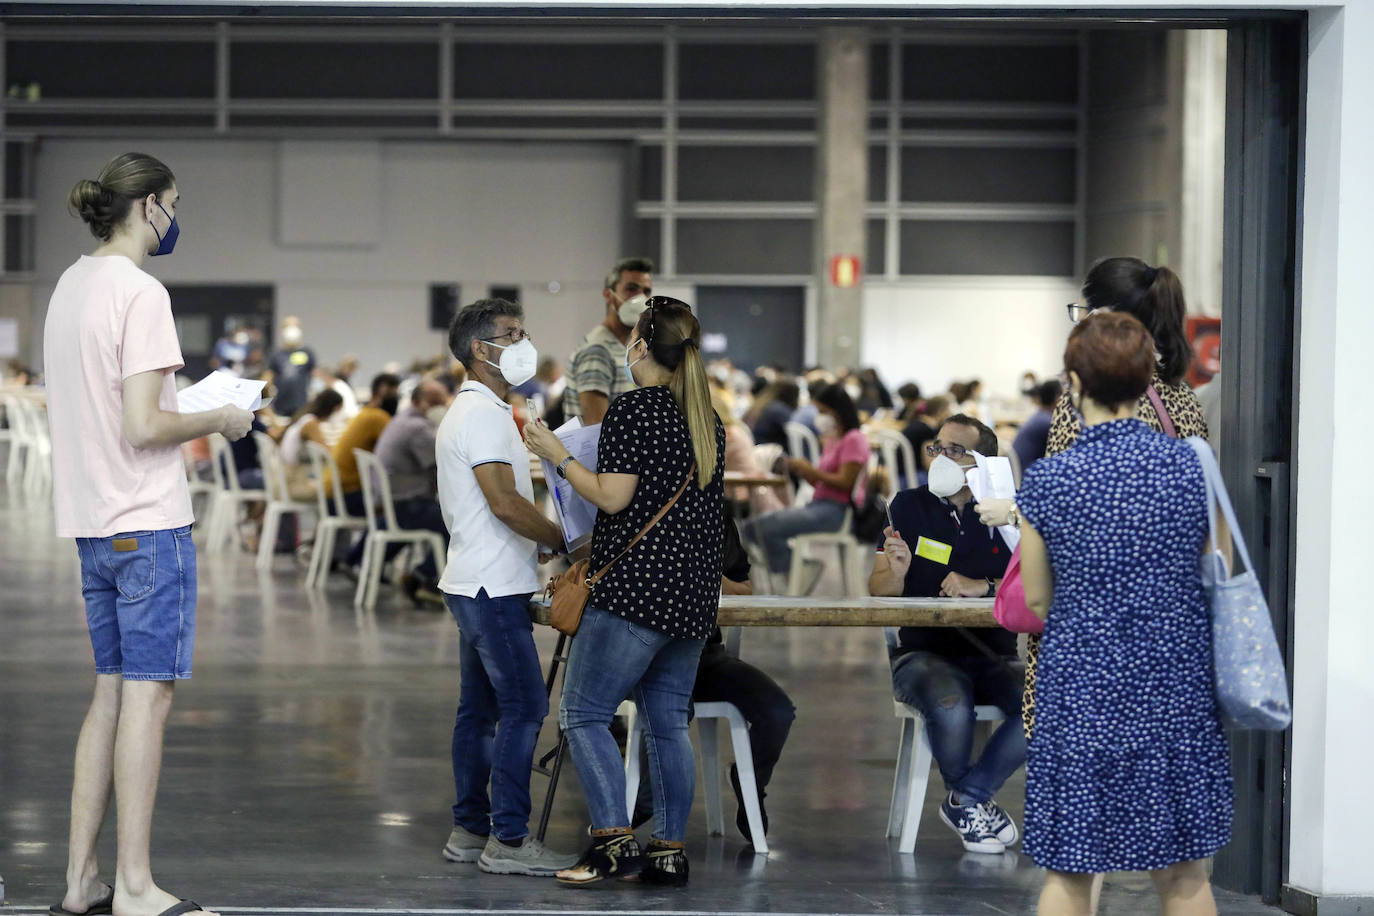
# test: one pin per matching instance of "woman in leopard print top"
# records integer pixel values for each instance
(1155, 296)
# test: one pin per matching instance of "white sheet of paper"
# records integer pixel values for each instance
(576, 515)
(993, 479)
(220, 388)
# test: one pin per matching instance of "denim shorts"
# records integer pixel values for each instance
(140, 591)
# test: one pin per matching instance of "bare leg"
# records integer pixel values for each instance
(1185, 890)
(91, 794)
(1096, 893)
(137, 765)
(1067, 894)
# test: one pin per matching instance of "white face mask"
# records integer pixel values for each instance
(436, 413)
(946, 477)
(519, 361)
(825, 425)
(632, 308)
(292, 335)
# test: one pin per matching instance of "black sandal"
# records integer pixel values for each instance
(665, 866)
(617, 856)
(102, 907)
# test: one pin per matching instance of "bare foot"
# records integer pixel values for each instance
(83, 896)
(152, 903)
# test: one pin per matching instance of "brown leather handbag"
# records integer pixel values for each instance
(572, 590)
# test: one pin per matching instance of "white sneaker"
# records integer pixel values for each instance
(971, 823)
(529, 858)
(1001, 823)
(463, 846)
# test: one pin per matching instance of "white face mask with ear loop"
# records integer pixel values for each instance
(519, 361)
(946, 477)
(630, 309)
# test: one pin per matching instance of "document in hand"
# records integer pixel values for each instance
(218, 389)
(992, 479)
(576, 515)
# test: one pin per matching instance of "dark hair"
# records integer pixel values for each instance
(477, 321)
(384, 380)
(636, 265)
(837, 399)
(105, 202)
(961, 391)
(1113, 356)
(322, 404)
(987, 439)
(787, 392)
(673, 337)
(909, 392)
(936, 405)
(1154, 296)
(1047, 394)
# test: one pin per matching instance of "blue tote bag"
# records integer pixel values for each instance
(1252, 690)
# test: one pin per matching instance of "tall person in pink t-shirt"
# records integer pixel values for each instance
(844, 455)
(119, 487)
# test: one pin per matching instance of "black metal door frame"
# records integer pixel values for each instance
(1265, 91)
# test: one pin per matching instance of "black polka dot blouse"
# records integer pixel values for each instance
(670, 581)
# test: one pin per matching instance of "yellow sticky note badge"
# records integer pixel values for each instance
(934, 551)
(300, 358)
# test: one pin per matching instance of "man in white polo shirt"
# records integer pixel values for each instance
(495, 532)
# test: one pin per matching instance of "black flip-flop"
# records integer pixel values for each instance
(102, 907)
(182, 908)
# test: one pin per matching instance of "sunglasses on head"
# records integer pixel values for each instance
(657, 302)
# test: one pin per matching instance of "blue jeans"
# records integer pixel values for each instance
(612, 659)
(500, 711)
(140, 591)
(945, 690)
(773, 530)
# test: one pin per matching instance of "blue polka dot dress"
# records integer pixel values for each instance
(1128, 768)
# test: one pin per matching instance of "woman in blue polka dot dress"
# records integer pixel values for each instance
(1128, 768)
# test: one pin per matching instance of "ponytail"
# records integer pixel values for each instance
(692, 392)
(673, 336)
(1165, 294)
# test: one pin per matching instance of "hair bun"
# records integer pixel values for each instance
(94, 203)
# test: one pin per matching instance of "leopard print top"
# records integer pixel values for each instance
(1184, 410)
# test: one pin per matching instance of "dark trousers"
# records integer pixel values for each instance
(765, 706)
(410, 513)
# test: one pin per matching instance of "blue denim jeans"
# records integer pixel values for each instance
(773, 530)
(945, 690)
(500, 711)
(140, 591)
(612, 659)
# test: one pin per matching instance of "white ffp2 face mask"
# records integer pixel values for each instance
(825, 425)
(519, 361)
(946, 477)
(632, 308)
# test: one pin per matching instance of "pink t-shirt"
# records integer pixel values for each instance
(107, 321)
(851, 447)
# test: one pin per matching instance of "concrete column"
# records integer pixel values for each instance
(841, 190)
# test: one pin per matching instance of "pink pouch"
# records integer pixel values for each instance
(1010, 607)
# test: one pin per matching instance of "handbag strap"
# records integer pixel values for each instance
(1217, 496)
(593, 580)
(1158, 404)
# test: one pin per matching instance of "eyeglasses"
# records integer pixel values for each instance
(511, 336)
(1078, 311)
(949, 451)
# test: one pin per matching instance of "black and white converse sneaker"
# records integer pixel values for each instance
(972, 825)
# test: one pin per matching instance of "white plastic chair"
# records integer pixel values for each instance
(912, 773)
(706, 715)
(201, 489)
(7, 431)
(229, 497)
(377, 497)
(279, 501)
(31, 433)
(848, 552)
(802, 442)
(330, 524)
(899, 458)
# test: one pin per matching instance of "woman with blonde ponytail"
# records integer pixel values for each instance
(649, 616)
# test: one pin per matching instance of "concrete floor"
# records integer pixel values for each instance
(307, 766)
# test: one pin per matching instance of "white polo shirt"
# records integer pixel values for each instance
(483, 553)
